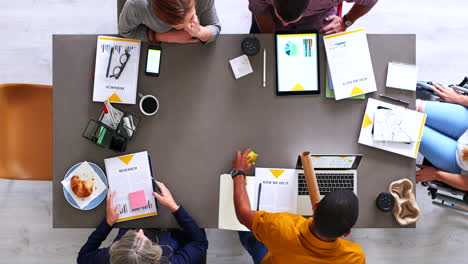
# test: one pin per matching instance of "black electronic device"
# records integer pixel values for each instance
(153, 61)
(250, 46)
(385, 202)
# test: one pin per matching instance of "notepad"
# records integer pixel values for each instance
(402, 76)
(241, 66)
(137, 199)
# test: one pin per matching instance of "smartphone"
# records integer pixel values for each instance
(153, 61)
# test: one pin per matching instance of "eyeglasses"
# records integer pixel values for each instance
(117, 69)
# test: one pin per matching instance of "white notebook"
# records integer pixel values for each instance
(227, 218)
(402, 76)
(350, 63)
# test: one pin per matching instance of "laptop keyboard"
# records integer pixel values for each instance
(327, 182)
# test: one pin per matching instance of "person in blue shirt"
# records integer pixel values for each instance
(188, 245)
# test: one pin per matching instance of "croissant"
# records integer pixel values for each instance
(465, 154)
(81, 188)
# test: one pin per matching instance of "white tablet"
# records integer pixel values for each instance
(297, 62)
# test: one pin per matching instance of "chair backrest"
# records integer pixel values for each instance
(120, 5)
(339, 10)
(26, 132)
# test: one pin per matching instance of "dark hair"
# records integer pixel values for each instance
(290, 10)
(336, 213)
(172, 12)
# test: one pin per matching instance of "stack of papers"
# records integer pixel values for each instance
(394, 129)
(116, 71)
(130, 176)
(350, 64)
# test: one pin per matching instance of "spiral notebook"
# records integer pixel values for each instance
(402, 76)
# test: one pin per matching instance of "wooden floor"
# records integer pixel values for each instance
(26, 207)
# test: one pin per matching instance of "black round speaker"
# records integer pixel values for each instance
(250, 46)
(385, 202)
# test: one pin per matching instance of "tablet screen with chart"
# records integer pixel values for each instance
(297, 68)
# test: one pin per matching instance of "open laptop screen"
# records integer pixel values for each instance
(335, 161)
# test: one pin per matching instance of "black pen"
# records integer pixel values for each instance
(258, 197)
(395, 99)
(109, 63)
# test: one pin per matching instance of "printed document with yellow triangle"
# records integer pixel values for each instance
(278, 191)
(350, 63)
(112, 79)
(367, 134)
(129, 174)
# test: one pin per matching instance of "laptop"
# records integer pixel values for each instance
(332, 172)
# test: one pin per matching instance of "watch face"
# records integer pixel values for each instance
(348, 23)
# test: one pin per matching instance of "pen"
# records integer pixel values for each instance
(394, 99)
(109, 63)
(258, 197)
(264, 68)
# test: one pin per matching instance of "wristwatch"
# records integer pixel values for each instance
(235, 172)
(347, 22)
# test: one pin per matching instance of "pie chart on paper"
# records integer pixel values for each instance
(290, 48)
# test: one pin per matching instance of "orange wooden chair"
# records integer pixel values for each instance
(26, 131)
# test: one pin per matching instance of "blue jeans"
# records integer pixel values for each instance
(255, 248)
(445, 123)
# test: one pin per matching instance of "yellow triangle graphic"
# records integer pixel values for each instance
(276, 173)
(367, 121)
(114, 98)
(298, 87)
(356, 91)
(126, 159)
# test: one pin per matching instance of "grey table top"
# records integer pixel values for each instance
(206, 114)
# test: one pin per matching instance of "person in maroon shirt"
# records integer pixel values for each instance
(321, 15)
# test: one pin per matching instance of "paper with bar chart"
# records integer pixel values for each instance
(350, 64)
(116, 70)
(297, 62)
(129, 175)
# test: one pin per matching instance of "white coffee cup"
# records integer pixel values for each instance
(151, 104)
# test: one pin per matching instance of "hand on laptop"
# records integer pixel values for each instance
(241, 163)
(165, 197)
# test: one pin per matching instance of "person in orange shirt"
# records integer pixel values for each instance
(290, 238)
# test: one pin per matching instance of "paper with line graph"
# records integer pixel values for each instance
(366, 136)
(116, 70)
(398, 125)
(128, 175)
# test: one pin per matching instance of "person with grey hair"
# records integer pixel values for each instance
(188, 245)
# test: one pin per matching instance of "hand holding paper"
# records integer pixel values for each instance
(112, 213)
